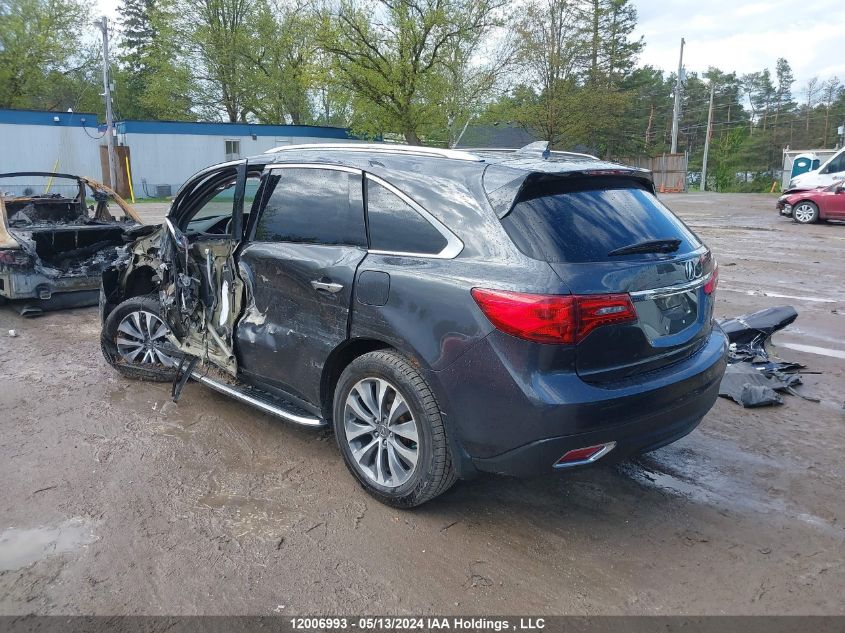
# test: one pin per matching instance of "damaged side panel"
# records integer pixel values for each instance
(200, 305)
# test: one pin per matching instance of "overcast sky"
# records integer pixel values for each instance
(733, 35)
(745, 36)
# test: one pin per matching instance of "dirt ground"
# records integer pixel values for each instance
(114, 500)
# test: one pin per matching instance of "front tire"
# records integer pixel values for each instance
(805, 212)
(134, 341)
(390, 432)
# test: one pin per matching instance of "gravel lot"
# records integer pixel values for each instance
(117, 501)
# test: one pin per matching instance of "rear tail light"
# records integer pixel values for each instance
(14, 257)
(586, 455)
(561, 319)
(710, 284)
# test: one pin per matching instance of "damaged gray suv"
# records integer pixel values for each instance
(447, 313)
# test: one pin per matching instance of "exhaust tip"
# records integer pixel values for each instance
(586, 455)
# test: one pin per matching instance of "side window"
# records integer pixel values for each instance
(315, 206)
(396, 226)
(836, 165)
(233, 149)
(219, 206)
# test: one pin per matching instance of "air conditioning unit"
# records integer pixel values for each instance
(163, 191)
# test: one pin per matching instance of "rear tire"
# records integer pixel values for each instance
(805, 212)
(134, 343)
(390, 432)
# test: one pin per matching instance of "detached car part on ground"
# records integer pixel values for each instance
(54, 247)
(752, 378)
(815, 205)
(449, 313)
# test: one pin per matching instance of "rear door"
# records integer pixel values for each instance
(298, 268)
(594, 232)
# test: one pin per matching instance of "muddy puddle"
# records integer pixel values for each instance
(21, 547)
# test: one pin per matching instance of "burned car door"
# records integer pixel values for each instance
(298, 268)
(200, 291)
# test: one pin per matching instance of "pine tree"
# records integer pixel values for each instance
(138, 33)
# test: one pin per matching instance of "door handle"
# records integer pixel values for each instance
(327, 286)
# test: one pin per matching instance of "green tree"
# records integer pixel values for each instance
(44, 62)
(551, 51)
(831, 91)
(725, 158)
(135, 48)
(392, 56)
(612, 53)
(169, 90)
(281, 67)
(209, 37)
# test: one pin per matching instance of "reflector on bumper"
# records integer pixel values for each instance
(586, 455)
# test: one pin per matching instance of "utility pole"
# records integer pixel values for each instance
(104, 27)
(707, 138)
(676, 112)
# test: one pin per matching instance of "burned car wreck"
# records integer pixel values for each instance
(55, 246)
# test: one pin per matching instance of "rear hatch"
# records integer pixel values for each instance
(609, 235)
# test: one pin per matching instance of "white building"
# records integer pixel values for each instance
(168, 152)
(163, 154)
(65, 142)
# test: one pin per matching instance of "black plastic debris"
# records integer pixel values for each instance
(746, 385)
(748, 333)
(753, 378)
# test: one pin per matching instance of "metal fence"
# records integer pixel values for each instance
(670, 170)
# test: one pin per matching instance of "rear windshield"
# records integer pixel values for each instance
(584, 220)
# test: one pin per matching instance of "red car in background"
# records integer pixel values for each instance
(822, 203)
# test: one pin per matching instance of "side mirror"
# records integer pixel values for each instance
(839, 189)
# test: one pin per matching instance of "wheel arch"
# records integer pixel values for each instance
(139, 282)
(809, 201)
(339, 360)
(348, 351)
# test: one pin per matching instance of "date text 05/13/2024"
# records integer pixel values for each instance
(430, 623)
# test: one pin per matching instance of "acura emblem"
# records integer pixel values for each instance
(690, 269)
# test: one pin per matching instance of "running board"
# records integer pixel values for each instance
(260, 400)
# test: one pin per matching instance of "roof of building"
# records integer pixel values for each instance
(47, 117)
(132, 126)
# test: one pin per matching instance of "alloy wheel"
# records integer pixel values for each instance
(804, 213)
(142, 339)
(381, 432)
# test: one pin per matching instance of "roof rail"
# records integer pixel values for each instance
(381, 148)
(516, 150)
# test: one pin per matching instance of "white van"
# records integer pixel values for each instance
(829, 172)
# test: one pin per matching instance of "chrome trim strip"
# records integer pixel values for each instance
(668, 291)
(381, 148)
(453, 244)
(349, 170)
(609, 446)
(258, 404)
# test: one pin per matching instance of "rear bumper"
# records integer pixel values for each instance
(539, 457)
(511, 416)
(30, 284)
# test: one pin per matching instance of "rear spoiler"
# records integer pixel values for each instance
(504, 185)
